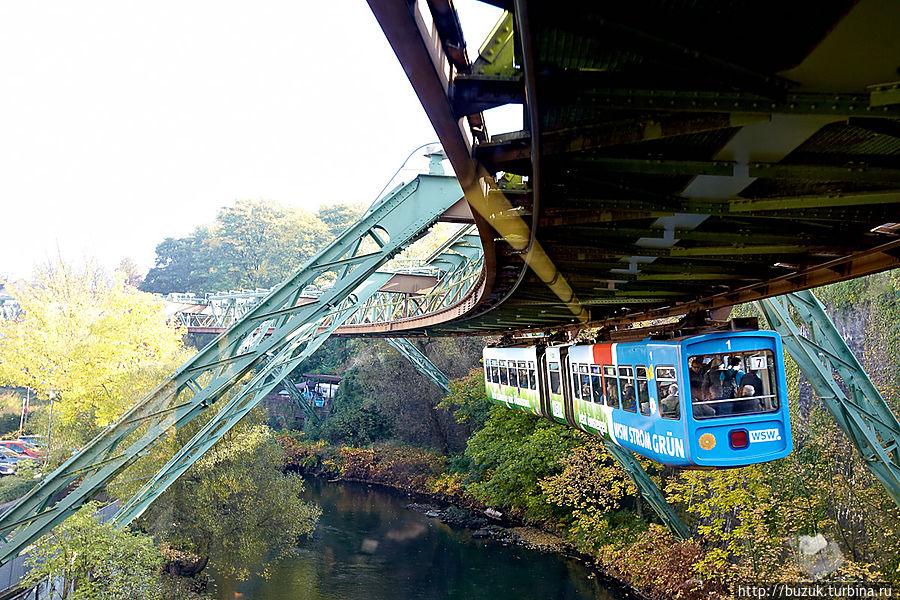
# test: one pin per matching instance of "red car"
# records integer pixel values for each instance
(22, 448)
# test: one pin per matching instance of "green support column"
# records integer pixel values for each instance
(421, 362)
(856, 404)
(649, 490)
(299, 400)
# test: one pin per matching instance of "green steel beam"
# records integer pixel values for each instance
(649, 490)
(421, 362)
(223, 367)
(836, 104)
(298, 399)
(277, 368)
(841, 382)
(856, 173)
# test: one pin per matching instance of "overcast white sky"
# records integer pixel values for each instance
(122, 122)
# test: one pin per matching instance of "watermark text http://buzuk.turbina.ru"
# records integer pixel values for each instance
(831, 589)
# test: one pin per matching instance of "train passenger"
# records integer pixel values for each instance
(612, 394)
(699, 385)
(669, 406)
(701, 410)
(751, 378)
(752, 404)
(729, 379)
(644, 397)
(628, 398)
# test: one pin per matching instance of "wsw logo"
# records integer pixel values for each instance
(765, 435)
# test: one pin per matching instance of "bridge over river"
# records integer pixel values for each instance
(677, 158)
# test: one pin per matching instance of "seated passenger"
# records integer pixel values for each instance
(669, 406)
(751, 404)
(701, 410)
(751, 378)
(628, 398)
(612, 394)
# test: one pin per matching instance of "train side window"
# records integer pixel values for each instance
(584, 380)
(596, 385)
(532, 376)
(612, 386)
(504, 378)
(643, 389)
(495, 375)
(576, 384)
(488, 372)
(626, 387)
(555, 379)
(523, 375)
(667, 393)
(513, 374)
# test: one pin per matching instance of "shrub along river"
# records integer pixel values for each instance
(369, 546)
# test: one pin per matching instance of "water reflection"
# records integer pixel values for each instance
(369, 547)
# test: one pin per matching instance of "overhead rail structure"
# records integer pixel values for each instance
(673, 157)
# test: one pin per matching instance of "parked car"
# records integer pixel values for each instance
(35, 440)
(21, 448)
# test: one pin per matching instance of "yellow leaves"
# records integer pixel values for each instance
(96, 341)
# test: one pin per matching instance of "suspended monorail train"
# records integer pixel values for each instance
(712, 400)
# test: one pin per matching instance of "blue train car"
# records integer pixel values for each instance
(711, 400)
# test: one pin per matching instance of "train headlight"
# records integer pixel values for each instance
(707, 441)
(739, 438)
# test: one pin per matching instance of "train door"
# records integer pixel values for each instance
(567, 382)
(543, 386)
(555, 365)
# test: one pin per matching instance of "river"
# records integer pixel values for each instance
(368, 546)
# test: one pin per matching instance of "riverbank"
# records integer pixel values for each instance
(653, 567)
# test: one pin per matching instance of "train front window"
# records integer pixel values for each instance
(612, 386)
(643, 390)
(626, 385)
(555, 379)
(733, 383)
(596, 385)
(667, 393)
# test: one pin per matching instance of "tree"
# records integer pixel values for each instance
(512, 453)
(181, 265)
(339, 217)
(84, 559)
(94, 341)
(234, 507)
(252, 244)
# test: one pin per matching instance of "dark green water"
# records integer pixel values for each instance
(369, 547)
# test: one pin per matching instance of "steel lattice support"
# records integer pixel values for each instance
(421, 362)
(236, 360)
(841, 382)
(275, 370)
(649, 490)
(299, 400)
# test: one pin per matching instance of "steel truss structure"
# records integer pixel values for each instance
(421, 362)
(840, 381)
(238, 367)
